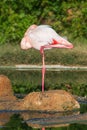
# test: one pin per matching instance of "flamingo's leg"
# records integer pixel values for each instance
(43, 71)
(43, 67)
(43, 75)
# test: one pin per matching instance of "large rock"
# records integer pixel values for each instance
(55, 100)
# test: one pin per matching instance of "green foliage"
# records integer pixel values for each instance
(28, 81)
(66, 17)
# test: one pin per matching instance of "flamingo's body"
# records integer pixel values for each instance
(43, 37)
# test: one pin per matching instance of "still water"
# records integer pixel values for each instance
(26, 81)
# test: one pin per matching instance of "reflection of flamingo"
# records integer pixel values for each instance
(43, 37)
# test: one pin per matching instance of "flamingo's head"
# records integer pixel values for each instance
(25, 43)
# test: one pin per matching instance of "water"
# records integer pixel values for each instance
(26, 81)
(21, 120)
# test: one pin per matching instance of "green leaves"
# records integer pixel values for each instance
(66, 17)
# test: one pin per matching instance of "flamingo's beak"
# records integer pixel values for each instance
(25, 44)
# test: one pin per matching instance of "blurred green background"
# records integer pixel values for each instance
(67, 17)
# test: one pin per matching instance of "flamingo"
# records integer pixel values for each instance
(43, 37)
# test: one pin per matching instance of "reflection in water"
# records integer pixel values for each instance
(57, 121)
(4, 118)
(39, 120)
(25, 119)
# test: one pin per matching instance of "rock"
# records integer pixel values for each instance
(54, 100)
(7, 97)
(5, 86)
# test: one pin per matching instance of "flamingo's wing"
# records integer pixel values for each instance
(43, 35)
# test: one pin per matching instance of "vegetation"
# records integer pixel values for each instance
(27, 81)
(66, 17)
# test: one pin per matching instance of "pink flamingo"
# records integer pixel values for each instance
(43, 37)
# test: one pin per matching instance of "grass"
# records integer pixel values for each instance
(12, 54)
